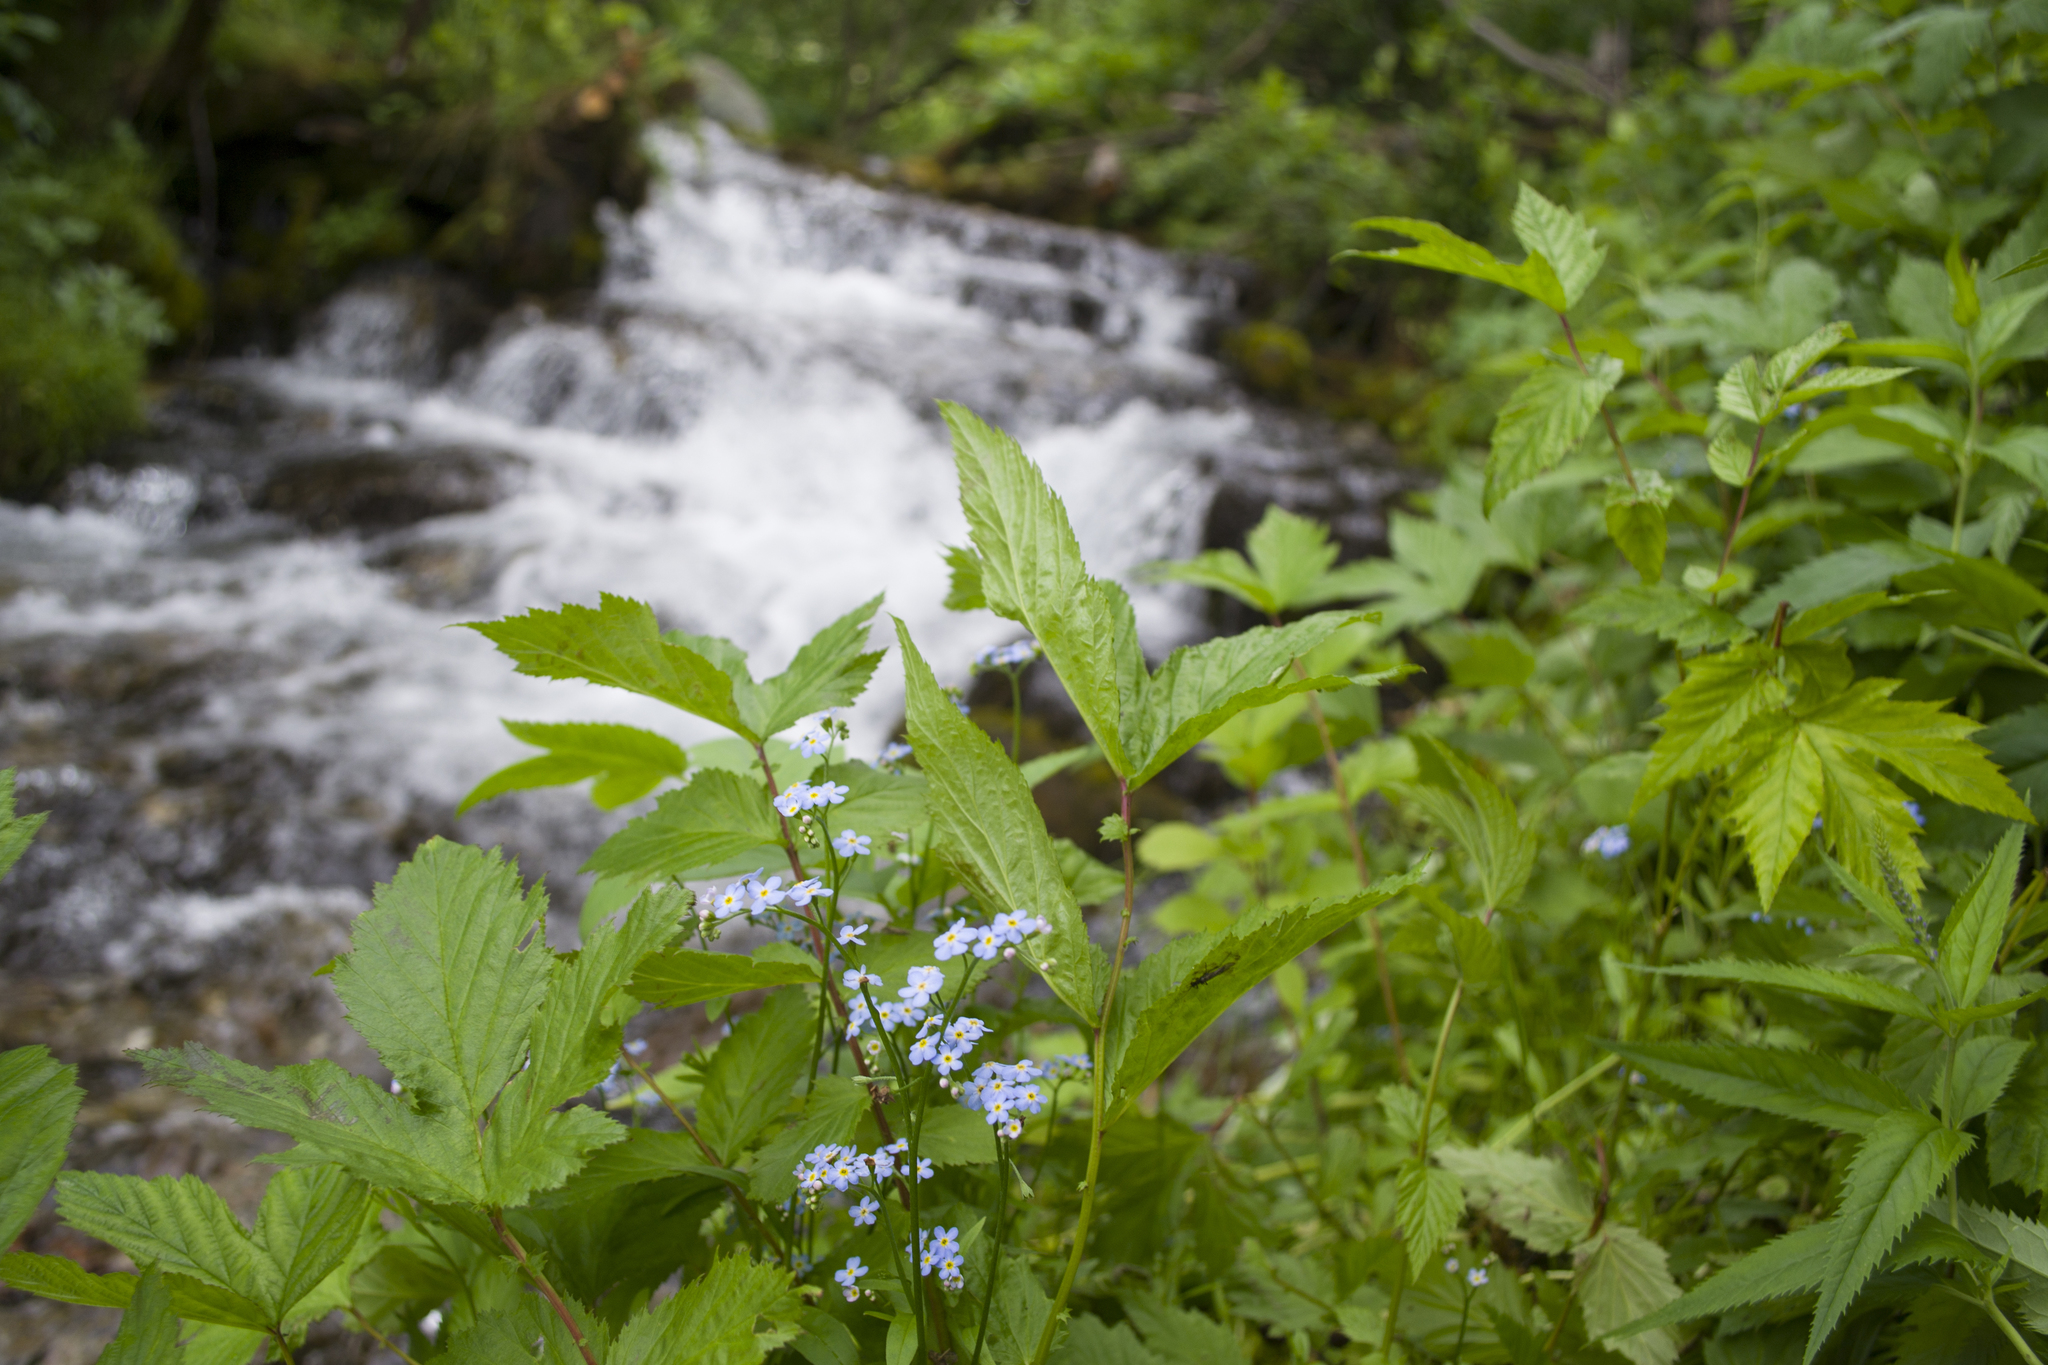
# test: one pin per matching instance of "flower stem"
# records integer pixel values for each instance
(1098, 1102)
(995, 1255)
(547, 1290)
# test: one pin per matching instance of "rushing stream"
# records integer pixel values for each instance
(226, 665)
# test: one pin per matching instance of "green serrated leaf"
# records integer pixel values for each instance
(1427, 1202)
(148, 1334)
(1984, 1066)
(686, 976)
(1742, 393)
(1813, 1087)
(15, 831)
(1703, 715)
(1544, 421)
(38, 1103)
(1635, 519)
(1776, 797)
(754, 1070)
(1535, 1200)
(990, 829)
(1895, 1173)
(65, 1280)
(714, 1320)
(1478, 816)
(1442, 249)
(2016, 1131)
(1971, 934)
(1848, 988)
(1560, 237)
(1841, 381)
(627, 762)
(1623, 1277)
(1730, 459)
(1795, 360)
(1787, 1265)
(832, 669)
(1664, 610)
(308, 1224)
(617, 644)
(830, 1115)
(177, 1224)
(719, 815)
(963, 580)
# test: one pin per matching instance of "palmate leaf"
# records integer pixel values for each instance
(1285, 562)
(990, 830)
(1535, 1200)
(148, 1334)
(1544, 421)
(713, 1320)
(753, 1071)
(1787, 1265)
(1971, 934)
(1847, 988)
(1438, 248)
(15, 831)
(1165, 1002)
(437, 981)
(627, 762)
(1895, 1172)
(686, 976)
(1704, 714)
(1813, 1087)
(1427, 1202)
(38, 1102)
(617, 644)
(1622, 1277)
(1032, 573)
(718, 815)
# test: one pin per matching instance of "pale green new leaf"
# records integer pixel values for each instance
(1201, 686)
(1704, 714)
(1742, 393)
(753, 1071)
(173, 1223)
(1442, 249)
(1971, 934)
(686, 976)
(627, 762)
(1032, 573)
(1841, 381)
(990, 829)
(148, 1334)
(1848, 988)
(1165, 1002)
(15, 831)
(1562, 238)
(437, 981)
(309, 1222)
(38, 1103)
(1427, 1202)
(1787, 1265)
(1479, 818)
(714, 1320)
(1776, 795)
(1544, 421)
(1984, 1066)
(1814, 1087)
(335, 1117)
(1622, 1277)
(1796, 359)
(719, 815)
(1664, 610)
(1895, 1172)
(1535, 1200)
(617, 644)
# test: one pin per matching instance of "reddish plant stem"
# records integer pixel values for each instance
(547, 1290)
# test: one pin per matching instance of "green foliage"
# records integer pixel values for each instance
(38, 1102)
(627, 762)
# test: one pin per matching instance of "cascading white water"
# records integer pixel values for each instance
(739, 429)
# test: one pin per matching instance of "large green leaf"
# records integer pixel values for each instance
(65, 1280)
(1479, 818)
(1984, 1066)
(627, 762)
(1787, 1265)
(1776, 797)
(38, 1103)
(1895, 1172)
(1704, 714)
(177, 1224)
(335, 1116)
(1815, 1087)
(831, 669)
(308, 1224)
(1846, 987)
(753, 1071)
(1622, 1277)
(2016, 1132)
(1032, 573)
(831, 1112)
(1562, 238)
(148, 1334)
(437, 981)
(617, 644)
(713, 1320)
(1016, 1313)
(990, 830)
(1166, 1001)
(686, 976)
(1536, 1200)
(15, 831)
(1544, 421)
(1440, 249)
(1427, 1202)
(719, 815)
(1976, 926)
(1664, 610)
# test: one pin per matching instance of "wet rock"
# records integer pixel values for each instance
(381, 490)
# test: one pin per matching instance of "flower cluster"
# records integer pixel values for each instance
(1609, 841)
(1068, 1065)
(849, 1278)
(803, 796)
(1001, 935)
(840, 1168)
(1004, 1094)
(939, 1249)
(814, 737)
(751, 895)
(1013, 655)
(946, 1045)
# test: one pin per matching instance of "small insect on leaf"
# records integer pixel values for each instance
(1212, 974)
